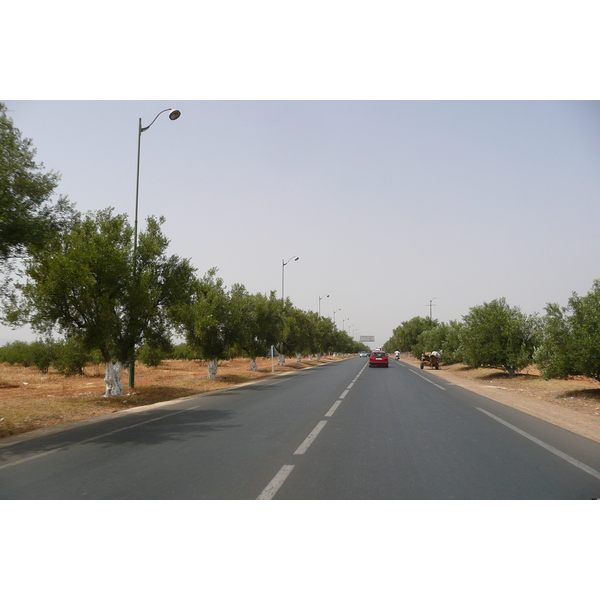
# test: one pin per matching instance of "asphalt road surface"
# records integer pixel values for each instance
(338, 431)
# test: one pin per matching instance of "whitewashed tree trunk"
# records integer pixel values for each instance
(298, 357)
(213, 365)
(281, 362)
(112, 378)
(253, 365)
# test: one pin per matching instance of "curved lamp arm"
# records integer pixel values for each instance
(174, 115)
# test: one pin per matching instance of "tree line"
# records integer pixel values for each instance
(81, 284)
(562, 343)
(84, 278)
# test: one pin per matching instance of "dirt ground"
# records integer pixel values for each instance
(572, 404)
(31, 400)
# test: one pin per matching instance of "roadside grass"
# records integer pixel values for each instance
(30, 399)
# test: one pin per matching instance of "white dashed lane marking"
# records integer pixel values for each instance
(269, 492)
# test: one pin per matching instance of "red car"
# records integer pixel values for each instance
(378, 358)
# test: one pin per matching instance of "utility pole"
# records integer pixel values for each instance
(430, 311)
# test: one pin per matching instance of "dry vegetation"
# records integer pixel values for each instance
(30, 399)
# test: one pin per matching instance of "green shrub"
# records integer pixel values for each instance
(151, 356)
(42, 354)
(17, 353)
(70, 358)
(181, 352)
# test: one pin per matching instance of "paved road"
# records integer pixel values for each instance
(340, 431)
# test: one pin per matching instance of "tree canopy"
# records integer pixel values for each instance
(497, 335)
(571, 338)
(260, 322)
(29, 214)
(82, 285)
(405, 336)
(207, 320)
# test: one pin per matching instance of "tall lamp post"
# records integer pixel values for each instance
(173, 115)
(338, 310)
(295, 258)
(321, 298)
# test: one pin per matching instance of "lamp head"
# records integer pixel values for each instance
(174, 114)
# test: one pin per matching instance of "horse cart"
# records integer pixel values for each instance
(431, 359)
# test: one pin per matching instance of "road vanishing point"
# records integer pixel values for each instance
(340, 431)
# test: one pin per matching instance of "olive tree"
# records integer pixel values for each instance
(571, 338)
(207, 321)
(298, 331)
(83, 284)
(405, 336)
(260, 322)
(497, 335)
(443, 338)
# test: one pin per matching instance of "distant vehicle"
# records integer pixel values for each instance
(378, 358)
(363, 354)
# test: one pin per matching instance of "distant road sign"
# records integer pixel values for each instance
(367, 338)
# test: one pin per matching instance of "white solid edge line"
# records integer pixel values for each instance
(558, 453)
(427, 380)
(311, 438)
(276, 483)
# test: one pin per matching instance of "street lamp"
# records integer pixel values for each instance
(320, 298)
(338, 310)
(173, 115)
(295, 258)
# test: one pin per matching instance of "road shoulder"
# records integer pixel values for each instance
(586, 424)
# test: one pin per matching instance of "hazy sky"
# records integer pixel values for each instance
(388, 204)
(338, 132)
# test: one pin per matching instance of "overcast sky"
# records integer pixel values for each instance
(341, 135)
(388, 204)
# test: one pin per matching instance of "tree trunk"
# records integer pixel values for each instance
(213, 365)
(253, 365)
(281, 362)
(298, 357)
(112, 378)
